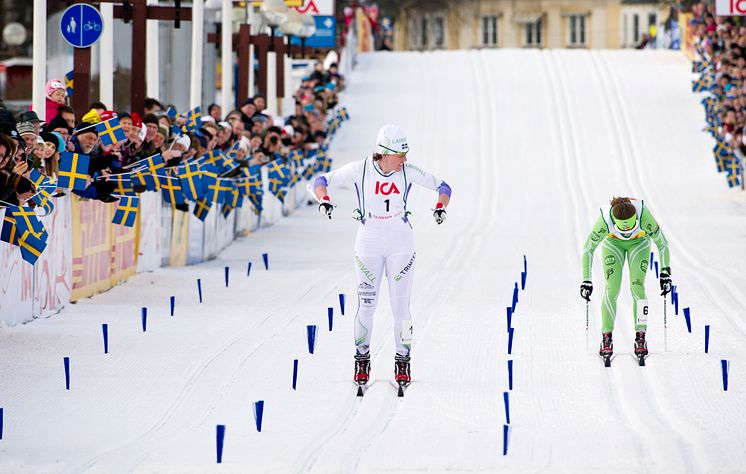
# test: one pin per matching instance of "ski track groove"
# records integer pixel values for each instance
(618, 400)
(649, 395)
(319, 447)
(191, 383)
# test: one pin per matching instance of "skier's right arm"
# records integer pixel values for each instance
(340, 176)
(597, 235)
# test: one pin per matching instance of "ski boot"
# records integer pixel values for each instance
(607, 349)
(401, 372)
(362, 372)
(641, 348)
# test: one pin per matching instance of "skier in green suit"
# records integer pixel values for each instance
(624, 231)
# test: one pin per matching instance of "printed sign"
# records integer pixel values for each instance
(730, 7)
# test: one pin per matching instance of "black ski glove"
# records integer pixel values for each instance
(586, 288)
(326, 207)
(439, 213)
(665, 281)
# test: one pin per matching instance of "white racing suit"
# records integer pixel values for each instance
(384, 243)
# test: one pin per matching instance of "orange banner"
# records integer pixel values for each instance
(687, 35)
(104, 254)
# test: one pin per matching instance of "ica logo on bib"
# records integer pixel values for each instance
(386, 188)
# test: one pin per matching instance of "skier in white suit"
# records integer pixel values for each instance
(385, 240)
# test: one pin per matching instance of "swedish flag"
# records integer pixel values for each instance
(190, 178)
(110, 132)
(202, 209)
(143, 178)
(233, 151)
(323, 163)
(154, 163)
(122, 184)
(722, 153)
(171, 114)
(23, 228)
(43, 199)
(73, 171)
(171, 190)
(126, 213)
(343, 115)
(702, 84)
(68, 85)
(194, 114)
(37, 178)
(296, 158)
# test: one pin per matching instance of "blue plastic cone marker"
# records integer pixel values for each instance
(507, 407)
(105, 330)
(265, 257)
(525, 265)
(248, 270)
(1, 423)
(227, 272)
(707, 338)
(673, 293)
(650, 265)
(676, 304)
(295, 372)
(258, 413)
(509, 311)
(67, 372)
(144, 319)
(656, 269)
(515, 296)
(506, 433)
(523, 280)
(330, 315)
(342, 304)
(724, 364)
(219, 437)
(311, 334)
(510, 340)
(173, 304)
(510, 375)
(199, 289)
(688, 320)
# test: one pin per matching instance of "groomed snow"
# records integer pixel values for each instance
(533, 143)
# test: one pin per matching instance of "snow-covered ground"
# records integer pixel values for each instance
(533, 143)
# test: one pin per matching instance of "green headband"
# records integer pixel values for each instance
(625, 224)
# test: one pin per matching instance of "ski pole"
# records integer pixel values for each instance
(665, 326)
(587, 305)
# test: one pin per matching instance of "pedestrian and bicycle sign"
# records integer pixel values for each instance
(81, 25)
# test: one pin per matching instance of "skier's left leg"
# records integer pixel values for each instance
(639, 253)
(400, 275)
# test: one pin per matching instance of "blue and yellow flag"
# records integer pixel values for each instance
(122, 184)
(110, 132)
(37, 178)
(171, 114)
(323, 162)
(190, 178)
(171, 190)
(343, 115)
(722, 153)
(143, 178)
(42, 198)
(126, 213)
(73, 171)
(218, 189)
(154, 163)
(23, 228)
(69, 85)
(202, 208)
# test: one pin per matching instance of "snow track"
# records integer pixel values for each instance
(533, 143)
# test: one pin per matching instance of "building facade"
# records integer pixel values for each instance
(465, 24)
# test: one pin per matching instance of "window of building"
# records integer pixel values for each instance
(635, 28)
(427, 31)
(439, 32)
(533, 33)
(576, 30)
(489, 31)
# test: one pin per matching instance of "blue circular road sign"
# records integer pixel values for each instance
(81, 25)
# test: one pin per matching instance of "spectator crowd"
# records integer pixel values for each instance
(250, 135)
(720, 44)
